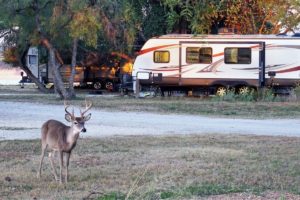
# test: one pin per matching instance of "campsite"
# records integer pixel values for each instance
(150, 100)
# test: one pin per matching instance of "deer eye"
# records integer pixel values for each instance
(75, 122)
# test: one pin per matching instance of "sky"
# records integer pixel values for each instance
(9, 75)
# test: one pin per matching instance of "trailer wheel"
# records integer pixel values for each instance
(244, 90)
(97, 85)
(109, 85)
(221, 91)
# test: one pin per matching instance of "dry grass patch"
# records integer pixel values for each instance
(161, 167)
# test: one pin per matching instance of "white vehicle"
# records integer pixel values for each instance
(217, 62)
(32, 61)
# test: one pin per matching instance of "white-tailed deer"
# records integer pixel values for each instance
(61, 138)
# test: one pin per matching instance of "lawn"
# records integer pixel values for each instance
(160, 167)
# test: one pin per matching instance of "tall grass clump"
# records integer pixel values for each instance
(296, 91)
(266, 95)
(232, 96)
(262, 95)
(249, 96)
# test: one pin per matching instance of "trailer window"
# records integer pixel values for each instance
(199, 55)
(32, 59)
(161, 56)
(192, 55)
(237, 55)
(205, 55)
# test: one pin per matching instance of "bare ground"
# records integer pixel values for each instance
(20, 120)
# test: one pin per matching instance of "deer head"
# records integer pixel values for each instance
(78, 122)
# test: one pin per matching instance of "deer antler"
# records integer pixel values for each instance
(87, 107)
(66, 110)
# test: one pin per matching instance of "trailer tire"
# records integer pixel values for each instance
(221, 91)
(97, 85)
(109, 85)
(244, 90)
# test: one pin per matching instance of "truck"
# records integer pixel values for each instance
(216, 63)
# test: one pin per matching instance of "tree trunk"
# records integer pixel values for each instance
(57, 79)
(73, 70)
(34, 79)
(53, 54)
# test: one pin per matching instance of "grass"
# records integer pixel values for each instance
(182, 105)
(156, 167)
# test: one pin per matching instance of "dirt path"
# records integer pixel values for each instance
(23, 121)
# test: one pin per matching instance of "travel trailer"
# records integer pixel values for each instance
(105, 76)
(96, 77)
(218, 62)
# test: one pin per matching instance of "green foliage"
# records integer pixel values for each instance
(256, 16)
(264, 95)
(115, 25)
(85, 26)
(132, 14)
(154, 23)
(232, 96)
(204, 15)
(296, 91)
(20, 28)
(172, 19)
(112, 196)
(167, 194)
(212, 189)
(267, 95)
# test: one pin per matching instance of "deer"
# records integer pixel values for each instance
(61, 138)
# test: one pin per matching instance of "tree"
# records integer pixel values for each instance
(14, 31)
(32, 18)
(64, 27)
(81, 23)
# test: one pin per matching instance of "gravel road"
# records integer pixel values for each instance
(23, 121)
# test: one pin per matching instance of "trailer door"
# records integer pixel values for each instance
(32, 61)
(228, 63)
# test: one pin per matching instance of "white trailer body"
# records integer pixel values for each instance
(189, 61)
(32, 61)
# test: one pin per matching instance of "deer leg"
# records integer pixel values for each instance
(67, 166)
(61, 164)
(44, 147)
(51, 155)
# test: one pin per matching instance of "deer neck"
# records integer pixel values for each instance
(72, 136)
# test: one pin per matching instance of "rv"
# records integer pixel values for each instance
(98, 76)
(218, 62)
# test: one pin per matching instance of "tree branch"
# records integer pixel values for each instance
(44, 39)
(5, 33)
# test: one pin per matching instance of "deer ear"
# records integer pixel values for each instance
(88, 117)
(68, 117)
